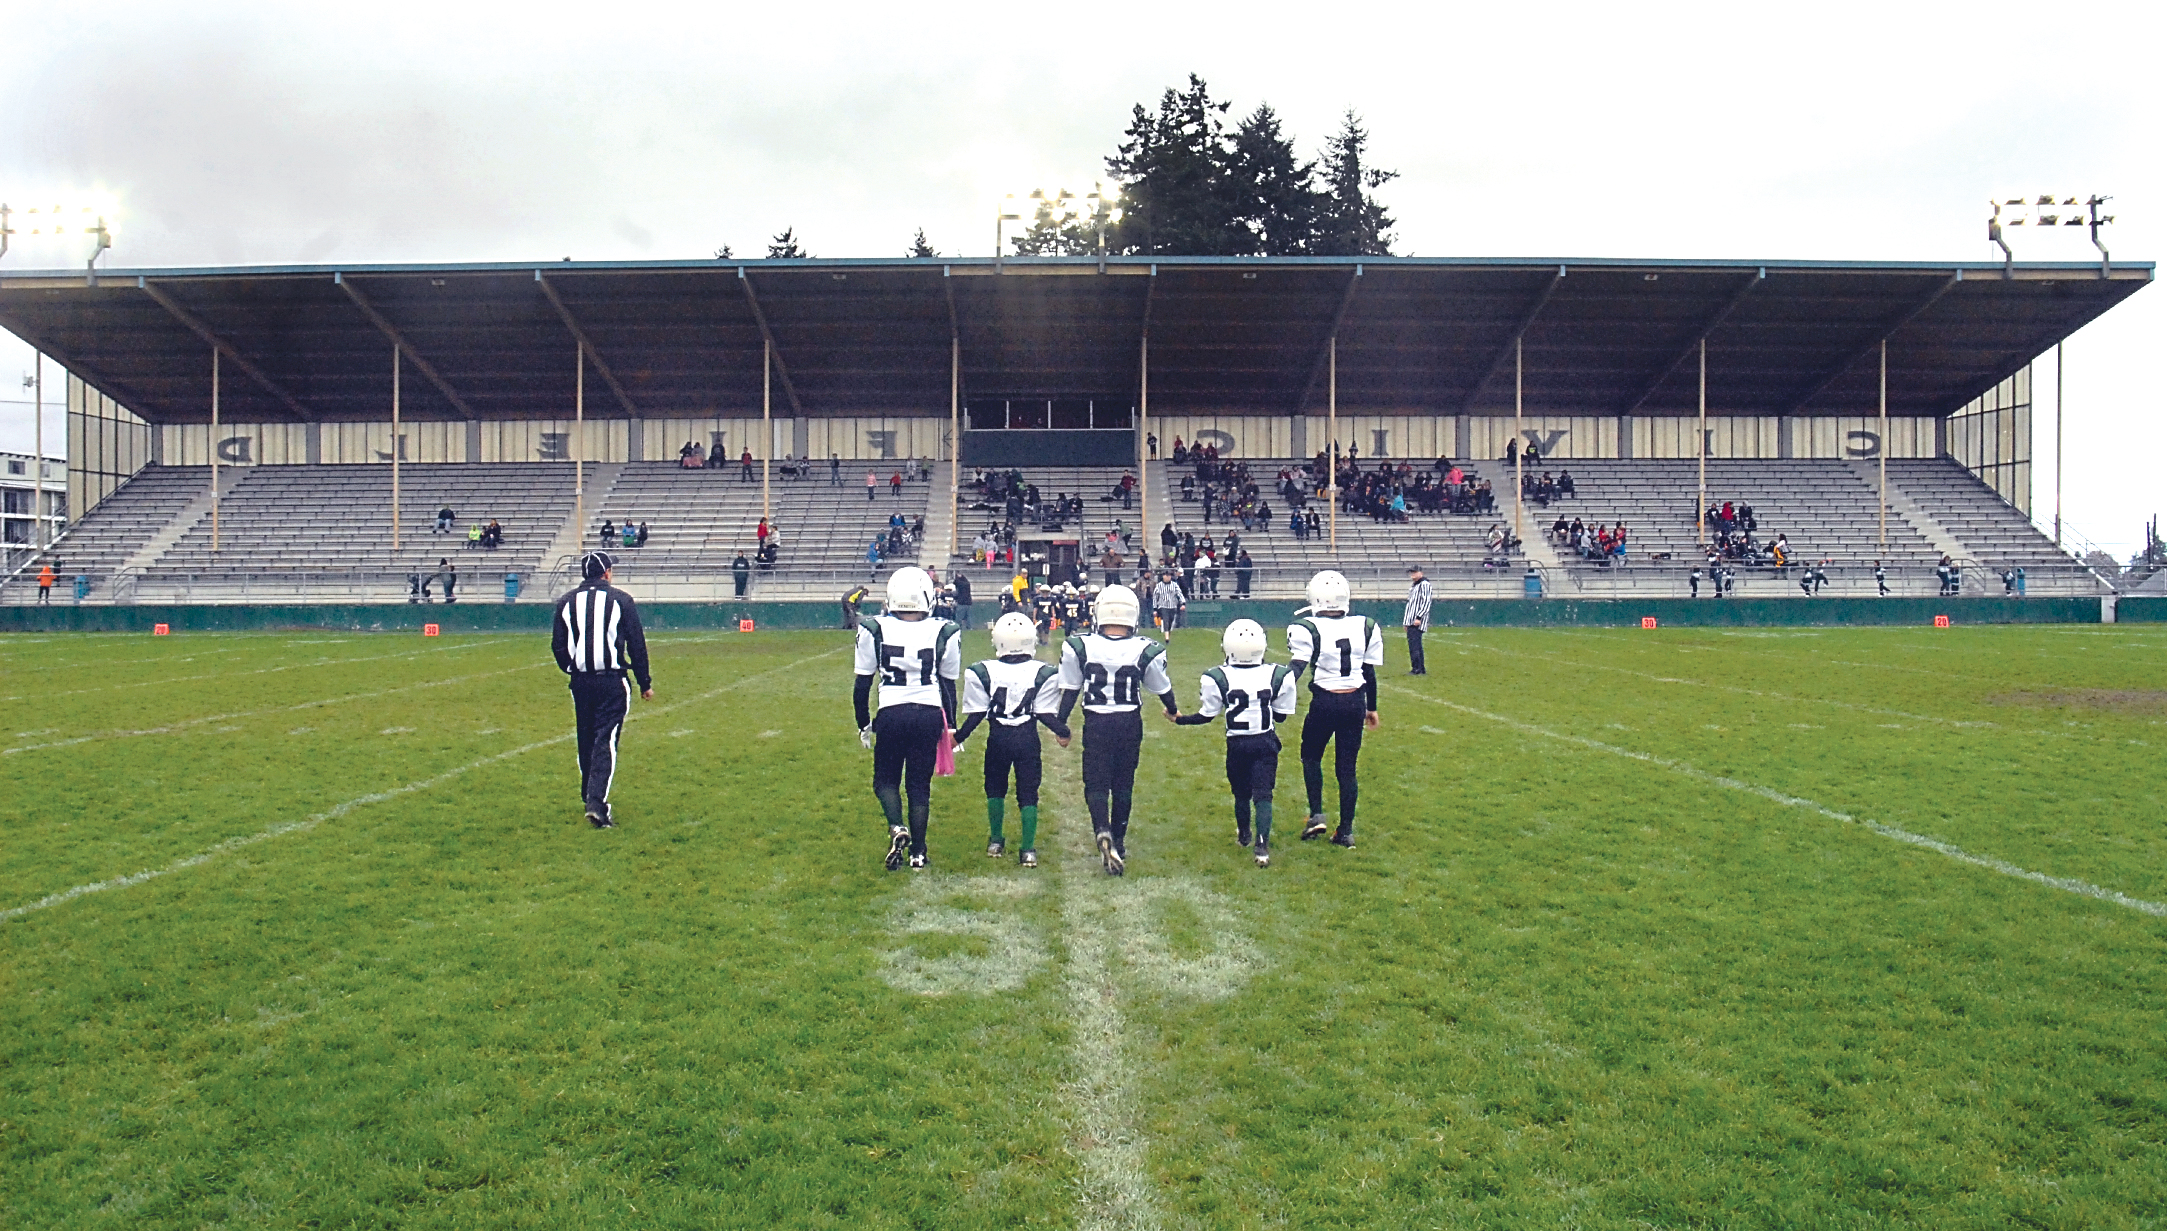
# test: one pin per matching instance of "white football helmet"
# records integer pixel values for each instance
(1328, 592)
(1117, 605)
(909, 589)
(1014, 634)
(1244, 643)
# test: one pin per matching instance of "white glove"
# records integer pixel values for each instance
(865, 736)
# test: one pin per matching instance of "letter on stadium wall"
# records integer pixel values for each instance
(1862, 444)
(1226, 443)
(1380, 442)
(1547, 442)
(882, 444)
(554, 447)
(234, 449)
(399, 443)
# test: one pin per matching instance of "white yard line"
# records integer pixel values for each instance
(192, 723)
(360, 801)
(1117, 1191)
(1905, 836)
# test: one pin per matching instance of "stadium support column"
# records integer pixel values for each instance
(955, 443)
(37, 463)
(579, 445)
(1331, 414)
(1882, 447)
(1143, 430)
(395, 449)
(2057, 446)
(1700, 437)
(767, 420)
(1519, 434)
(214, 448)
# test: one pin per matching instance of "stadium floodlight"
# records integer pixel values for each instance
(1058, 208)
(2046, 209)
(57, 222)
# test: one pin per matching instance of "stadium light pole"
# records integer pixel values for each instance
(1004, 212)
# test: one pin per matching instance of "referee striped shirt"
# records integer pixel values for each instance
(597, 632)
(1418, 605)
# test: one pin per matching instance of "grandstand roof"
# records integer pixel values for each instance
(1227, 335)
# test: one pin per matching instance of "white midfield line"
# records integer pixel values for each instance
(1116, 1187)
(1905, 836)
(230, 845)
(177, 727)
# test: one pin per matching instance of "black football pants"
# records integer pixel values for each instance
(1334, 718)
(1112, 745)
(905, 741)
(1252, 771)
(600, 699)
(1014, 747)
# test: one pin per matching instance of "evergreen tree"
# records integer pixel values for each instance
(1352, 223)
(1280, 204)
(919, 247)
(1058, 231)
(786, 245)
(723, 253)
(1176, 193)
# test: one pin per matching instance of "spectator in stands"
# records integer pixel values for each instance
(493, 535)
(1128, 489)
(1245, 570)
(741, 573)
(1166, 603)
(872, 558)
(835, 470)
(449, 575)
(45, 583)
(744, 467)
(643, 536)
(895, 484)
(1314, 525)
(1207, 567)
(1512, 451)
(609, 533)
(1181, 454)
(1110, 566)
(1565, 483)
(630, 535)
(474, 536)
(1881, 579)
(1783, 551)
(1692, 584)
(1151, 444)
(760, 533)
(962, 586)
(765, 558)
(444, 518)
(716, 458)
(872, 484)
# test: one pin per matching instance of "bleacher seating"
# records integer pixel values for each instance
(1994, 532)
(124, 522)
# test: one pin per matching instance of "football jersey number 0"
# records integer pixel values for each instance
(895, 673)
(1127, 686)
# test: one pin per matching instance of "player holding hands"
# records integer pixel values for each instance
(1256, 696)
(1111, 668)
(1341, 652)
(1017, 692)
(916, 659)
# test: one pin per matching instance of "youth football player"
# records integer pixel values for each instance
(1256, 696)
(1016, 692)
(916, 658)
(1110, 669)
(1341, 653)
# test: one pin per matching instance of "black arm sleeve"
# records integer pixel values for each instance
(1172, 706)
(1055, 725)
(948, 703)
(1068, 702)
(1194, 720)
(1369, 687)
(635, 640)
(861, 697)
(560, 639)
(970, 724)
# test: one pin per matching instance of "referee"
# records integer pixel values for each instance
(1417, 617)
(595, 636)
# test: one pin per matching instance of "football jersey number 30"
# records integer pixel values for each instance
(1127, 685)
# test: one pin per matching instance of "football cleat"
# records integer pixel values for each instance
(917, 861)
(898, 846)
(600, 820)
(1241, 835)
(1108, 855)
(1315, 829)
(994, 850)
(1028, 859)
(1264, 853)
(1343, 839)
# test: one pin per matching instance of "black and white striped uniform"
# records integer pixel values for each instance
(596, 638)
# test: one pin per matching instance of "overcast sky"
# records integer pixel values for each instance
(238, 133)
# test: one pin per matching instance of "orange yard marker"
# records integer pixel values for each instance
(161, 630)
(1647, 621)
(429, 630)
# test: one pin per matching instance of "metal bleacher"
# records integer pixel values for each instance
(1996, 533)
(127, 520)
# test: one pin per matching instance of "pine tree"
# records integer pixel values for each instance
(723, 253)
(1176, 193)
(1352, 222)
(920, 248)
(786, 246)
(1280, 204)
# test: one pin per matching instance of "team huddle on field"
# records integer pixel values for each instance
(930, 705)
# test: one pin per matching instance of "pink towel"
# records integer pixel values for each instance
(944, 757)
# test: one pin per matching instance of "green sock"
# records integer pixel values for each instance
(1263, 810)
(1030, 826)
(994, 807)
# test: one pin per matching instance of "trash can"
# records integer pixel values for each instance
(1531, 585)
(511, 587)
(2020, 583)
(82, 586)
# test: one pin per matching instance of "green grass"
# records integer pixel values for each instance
(1556, 984)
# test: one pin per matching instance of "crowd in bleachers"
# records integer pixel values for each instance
(479, 537)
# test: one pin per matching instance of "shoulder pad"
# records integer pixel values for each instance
(1217, 675)
(947, 634)
(1152, 649)
(1280, 672)
(1316, 639)
(1046, 671)
(871, 624)
(985, 677)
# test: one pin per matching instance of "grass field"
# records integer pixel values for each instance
(1684, 928)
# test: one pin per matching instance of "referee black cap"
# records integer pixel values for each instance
(595, 563)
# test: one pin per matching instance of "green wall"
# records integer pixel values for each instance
(533, 617)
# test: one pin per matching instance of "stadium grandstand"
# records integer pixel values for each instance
(308, 434)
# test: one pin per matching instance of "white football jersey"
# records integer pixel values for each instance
(1338, 647)
(1012, 694)
(911, 657)
(1113, 673)
(1254, 698)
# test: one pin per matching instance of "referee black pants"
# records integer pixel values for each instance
(1112, 745)
(905, 740)
(1334, 718)
(1414, 650)
(1014, 748)
(600, 699)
